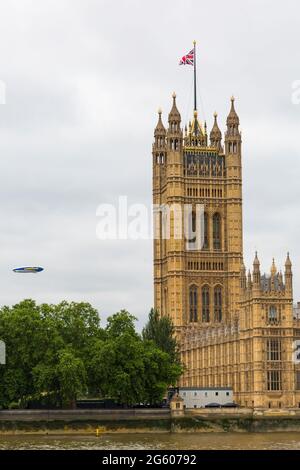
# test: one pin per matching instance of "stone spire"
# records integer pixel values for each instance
(256, 271)
(273, 269)
(232, 118)
(232, 136)
(174, 134)
(215, 134)
(160, 130)
(273, 276)
(256, 263)
(174, 115)
(160, 145)
(249, 280)
(243, 278)
(288, 275)
(288, 264)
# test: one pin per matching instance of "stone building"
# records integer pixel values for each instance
(235, 330)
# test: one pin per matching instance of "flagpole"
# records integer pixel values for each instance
(195, 86)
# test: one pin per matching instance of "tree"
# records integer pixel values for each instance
(117, 362)
(71, 376)
(35, 336)
(160, 329)
(161, 372)
(120, 323)
(54, 353)
(131, 369)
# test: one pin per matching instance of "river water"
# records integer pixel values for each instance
(244, 441)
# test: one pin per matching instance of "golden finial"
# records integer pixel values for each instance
(194, 42)
(273, 268)
(159, 111)
(232, 98)
(195, 114)
(215, 114)
(174, 95)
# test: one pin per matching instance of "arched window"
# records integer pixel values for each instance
(273, 314)
(218, 304)
(217, 231)
(205, 304)
(193, 303)
(206, 232)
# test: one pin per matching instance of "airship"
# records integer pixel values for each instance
(28, 269)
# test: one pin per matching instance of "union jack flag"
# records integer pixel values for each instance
(187, 59)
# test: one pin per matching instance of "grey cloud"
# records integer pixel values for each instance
(84, 81)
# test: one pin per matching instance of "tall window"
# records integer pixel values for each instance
(217, 231)
(218, 304)
(273, 314)
(205, 304)
(273, 350)
(206, 232)
(193, 303)
(274, 379)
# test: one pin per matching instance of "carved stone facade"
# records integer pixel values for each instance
(235, 330)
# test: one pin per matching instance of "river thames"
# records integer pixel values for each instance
(191, 441)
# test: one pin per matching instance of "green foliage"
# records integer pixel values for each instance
(120, 323)
(56, 353)
(160, 329)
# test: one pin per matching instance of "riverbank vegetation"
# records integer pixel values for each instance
(57, 353)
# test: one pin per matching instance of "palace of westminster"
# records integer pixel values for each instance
(235, 329)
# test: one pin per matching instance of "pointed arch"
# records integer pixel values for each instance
(217, 231)
(218, 303)
(206, 231)
(205, 304)
(193, 303)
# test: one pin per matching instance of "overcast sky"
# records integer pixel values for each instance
(84, 79)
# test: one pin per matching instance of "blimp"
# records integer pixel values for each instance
(29, 269)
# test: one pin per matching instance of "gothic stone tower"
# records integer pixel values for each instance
(199, 286)
(233, 331)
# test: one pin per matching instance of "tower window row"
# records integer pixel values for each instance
(206, 304)
(174, 127)
(204, 192)
(205, 266)
(232, 147)
(160, 158)
(212, 230)
(273, 349)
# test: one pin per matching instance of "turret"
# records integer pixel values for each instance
(174, 134)
(249, 281)
(273, 275)
(159, 146)
(243, 279)
(288, 275)
(256, 272)
(215, 134)
(232, 136)
(159, 133)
